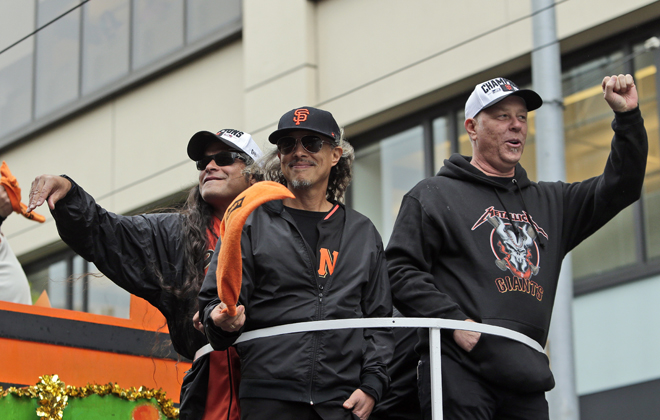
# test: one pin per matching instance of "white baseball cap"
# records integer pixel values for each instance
(235, 139)
(494, 90)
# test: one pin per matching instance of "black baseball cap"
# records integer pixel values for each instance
(306, 118)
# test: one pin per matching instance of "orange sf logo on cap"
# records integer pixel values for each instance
(300, 115)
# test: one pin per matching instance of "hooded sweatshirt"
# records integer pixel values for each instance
(466, 245)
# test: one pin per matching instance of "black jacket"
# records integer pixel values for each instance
(454, 254)
(282, 285)
(144, 256)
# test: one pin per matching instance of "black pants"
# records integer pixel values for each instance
(467, 396)
(265, 409)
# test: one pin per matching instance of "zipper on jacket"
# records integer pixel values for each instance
(319, 295)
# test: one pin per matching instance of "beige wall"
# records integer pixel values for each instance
(367, 61)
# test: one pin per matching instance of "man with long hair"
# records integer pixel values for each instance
(306, 259)
(162, 257)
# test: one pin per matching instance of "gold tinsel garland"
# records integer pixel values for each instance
(53, 396)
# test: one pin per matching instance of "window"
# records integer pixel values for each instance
(105, 43)
(56, 56)
(73, 283)
(203, 16)
(83, 53)
(158, 29)
(588, 135)
(646, 77)
(384, 172)
(16, 20)
(441, 141)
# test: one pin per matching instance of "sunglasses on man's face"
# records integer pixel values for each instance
(223, 158)
(312, 144)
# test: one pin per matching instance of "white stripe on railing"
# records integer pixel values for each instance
(338, 324)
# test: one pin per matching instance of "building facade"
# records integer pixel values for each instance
(110, 92)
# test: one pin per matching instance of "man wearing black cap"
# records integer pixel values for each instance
(162, 257)
(307, 259)
(481, 242)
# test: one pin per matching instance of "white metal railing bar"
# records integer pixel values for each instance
(433, 324)
(338, 324)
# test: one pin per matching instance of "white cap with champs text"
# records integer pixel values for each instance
(494, 90)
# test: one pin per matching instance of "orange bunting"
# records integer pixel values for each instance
(14, 192)
(229, 273)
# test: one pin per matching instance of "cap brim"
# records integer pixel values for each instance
(200, 141)
(277, 134)
(532, 99)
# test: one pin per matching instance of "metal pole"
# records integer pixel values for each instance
(436, 373)
(550, 166)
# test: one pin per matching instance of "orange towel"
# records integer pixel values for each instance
(14, 192)
(229, 273)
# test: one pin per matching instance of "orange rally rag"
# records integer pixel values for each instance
(14, 192)
(229, 273)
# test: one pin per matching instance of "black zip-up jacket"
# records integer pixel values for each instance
(454, 254)
(141, 254)
(282, 284)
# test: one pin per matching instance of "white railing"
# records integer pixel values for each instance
(433, 324)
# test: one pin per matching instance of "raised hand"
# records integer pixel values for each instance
(620, 92)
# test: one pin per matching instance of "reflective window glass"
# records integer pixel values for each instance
(105, 297)
(58, 48)
(73, 283)
(79, 280)
(38, 280)
(16, 20)
(157, 29)
(464, 145)
(105, 42)
(441, 142)
(383, 173)
(58, 282)
(206, 16)
(645, 80)
(588, 136)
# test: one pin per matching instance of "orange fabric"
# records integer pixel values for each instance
(229, 273)
(14, 192)
(25, 361)
(224, 380)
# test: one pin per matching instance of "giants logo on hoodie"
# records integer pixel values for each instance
(515, 250)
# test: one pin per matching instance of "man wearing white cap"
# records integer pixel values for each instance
(481, 242)
(163, 257)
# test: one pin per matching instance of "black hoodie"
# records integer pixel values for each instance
(454, 254)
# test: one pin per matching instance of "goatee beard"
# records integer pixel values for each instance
(301, 184)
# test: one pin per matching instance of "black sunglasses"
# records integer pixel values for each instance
(223, 158)
(313, 144)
